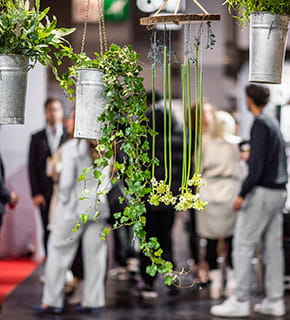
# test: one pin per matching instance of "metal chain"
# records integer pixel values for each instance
(85, 27)
(102, 29)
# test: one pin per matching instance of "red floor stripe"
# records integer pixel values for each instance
(12, 272)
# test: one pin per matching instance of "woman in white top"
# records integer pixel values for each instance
(220, 169)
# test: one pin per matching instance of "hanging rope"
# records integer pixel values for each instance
(200, 6)
(177, 6)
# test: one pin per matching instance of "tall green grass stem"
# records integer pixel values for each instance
(170, 125)
(184, 161)
(196, 124)
(189, 160)
(153, 80)
(165, 113)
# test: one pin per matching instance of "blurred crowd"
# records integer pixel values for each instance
(245, 191)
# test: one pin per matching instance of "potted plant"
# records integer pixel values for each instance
(269, 21)
(26, 34)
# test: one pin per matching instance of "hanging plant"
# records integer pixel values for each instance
(245, 7)
(27, 35)
(27, 30)
(269, 21)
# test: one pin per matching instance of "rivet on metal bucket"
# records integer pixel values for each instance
(13, 73)
(89, 103)
(268, 36)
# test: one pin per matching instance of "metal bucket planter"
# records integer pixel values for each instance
(268, 37)
(90, 103)
(13, 85)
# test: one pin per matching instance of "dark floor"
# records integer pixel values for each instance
(123, 302)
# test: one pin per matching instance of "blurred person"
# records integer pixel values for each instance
(6, 196)
(43, 146)
(260, 203)
(63, 243)
(220, 169)
(74, 276)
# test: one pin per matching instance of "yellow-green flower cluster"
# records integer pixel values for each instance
(161, 193)
(196, 180)
(188, 200)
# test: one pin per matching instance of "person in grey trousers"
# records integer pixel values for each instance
(260, 201)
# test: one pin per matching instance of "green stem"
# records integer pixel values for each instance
(200, 119)
(170, 125)
(196, 124)
(153, 74)
(165, 113)
(189, 120)
(184, 159)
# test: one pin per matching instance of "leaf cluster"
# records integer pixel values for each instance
(27, 30)
(245, 7)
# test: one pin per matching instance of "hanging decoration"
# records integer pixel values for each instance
(161, 190)
(198, 36)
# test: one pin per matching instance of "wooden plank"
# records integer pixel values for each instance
(178, 19)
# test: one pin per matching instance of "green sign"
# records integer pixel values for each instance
(116, 10)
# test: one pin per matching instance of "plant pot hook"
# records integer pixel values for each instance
(279, 25)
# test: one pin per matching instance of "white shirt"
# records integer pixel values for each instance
(54, 136)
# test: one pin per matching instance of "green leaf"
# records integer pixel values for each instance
(151, 270)
(84, 217)
(168, 280)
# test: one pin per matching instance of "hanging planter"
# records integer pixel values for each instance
(268, 36)
(268, 39)
(84, 81)
(90, 102)
(13, 84)
(26, 33)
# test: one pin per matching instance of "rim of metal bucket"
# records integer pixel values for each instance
(24, 58)
(92, 69)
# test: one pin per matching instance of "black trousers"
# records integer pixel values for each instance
(193, 237)
(44, 210)
(158, 224)
(212, 254)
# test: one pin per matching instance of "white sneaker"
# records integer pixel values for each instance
(276, 308)
(149, 294)
(231, 308)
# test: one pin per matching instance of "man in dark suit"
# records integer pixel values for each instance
(43, 145)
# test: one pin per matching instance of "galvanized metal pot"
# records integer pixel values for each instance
(13, 86)
(90, 103)
(268, 37)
